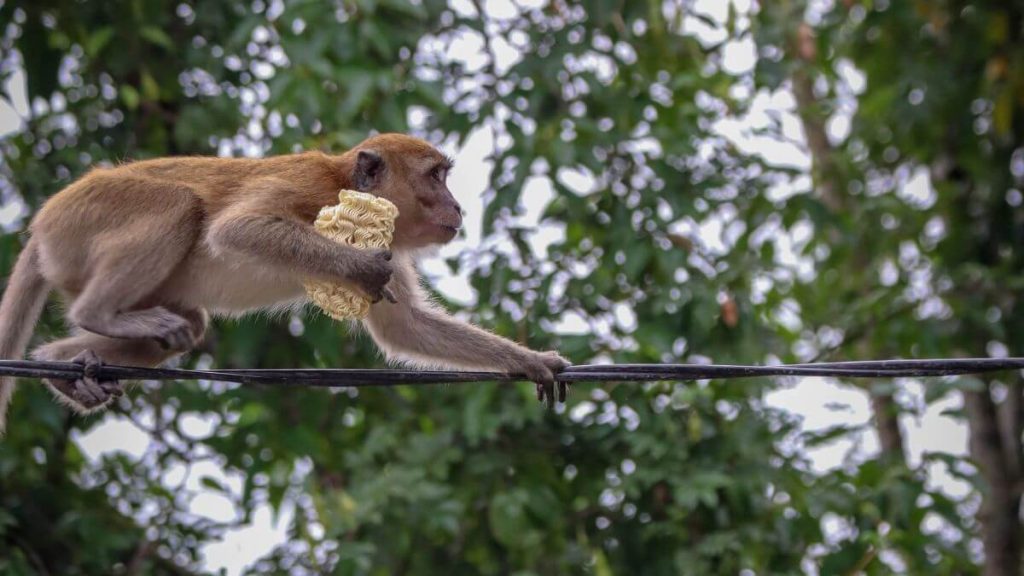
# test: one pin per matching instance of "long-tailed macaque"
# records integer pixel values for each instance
(142, 252)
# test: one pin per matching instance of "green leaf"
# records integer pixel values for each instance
(157, 37)
(150, 88)
(130, 96)
(98, 40)
(830, 434)
(213, 484)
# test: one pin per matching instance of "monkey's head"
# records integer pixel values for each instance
(411, 174)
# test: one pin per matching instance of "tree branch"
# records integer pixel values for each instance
(828, 182)
(1000, 508)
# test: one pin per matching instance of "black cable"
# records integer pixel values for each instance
(357, 377)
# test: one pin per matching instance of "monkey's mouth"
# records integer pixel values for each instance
(453, 230)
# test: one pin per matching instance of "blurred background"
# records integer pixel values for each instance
(647, 181)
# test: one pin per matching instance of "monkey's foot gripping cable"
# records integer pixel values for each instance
(356, 377)
(361, 220)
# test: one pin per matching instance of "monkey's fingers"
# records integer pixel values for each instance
(563, 390)
(548, 387)
(390, 295)
(544, 395)
(543, 378)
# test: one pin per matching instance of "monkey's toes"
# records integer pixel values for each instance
(89, 391)
(89, 360)
(113, 388)
(174, 333)
(86, 394)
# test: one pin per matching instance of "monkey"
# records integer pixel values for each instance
(143, 254)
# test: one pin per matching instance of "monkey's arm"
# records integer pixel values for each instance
(416, 331)
(263, 225)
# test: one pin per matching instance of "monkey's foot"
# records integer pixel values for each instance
(88, 392)
(172, 331)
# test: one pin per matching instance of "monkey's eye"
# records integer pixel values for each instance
(438, 174)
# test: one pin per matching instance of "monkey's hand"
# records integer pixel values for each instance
(541, 368)
(373, 273)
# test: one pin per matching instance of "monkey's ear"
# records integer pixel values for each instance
(369, 169)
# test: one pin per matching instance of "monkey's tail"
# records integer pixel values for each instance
(20, 308)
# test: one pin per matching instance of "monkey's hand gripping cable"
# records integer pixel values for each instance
(351, 377)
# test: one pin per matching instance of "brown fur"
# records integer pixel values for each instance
(142, 251)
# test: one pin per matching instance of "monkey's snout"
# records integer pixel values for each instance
(451, 225)
(453, 219)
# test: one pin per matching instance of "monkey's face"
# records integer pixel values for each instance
(415, 181)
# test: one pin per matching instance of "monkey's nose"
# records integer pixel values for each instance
(457, 208)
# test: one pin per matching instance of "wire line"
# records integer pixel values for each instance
(359, 377)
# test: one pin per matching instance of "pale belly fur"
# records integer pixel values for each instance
(233, 285)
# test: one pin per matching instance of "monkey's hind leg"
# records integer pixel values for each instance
(131, 263)
(89, 393)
